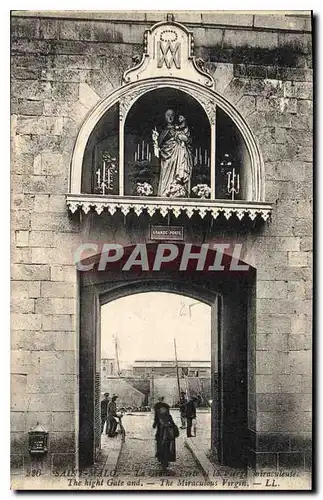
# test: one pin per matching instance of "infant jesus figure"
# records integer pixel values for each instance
(184, 154)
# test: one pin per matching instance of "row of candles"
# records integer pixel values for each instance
(143, 153)
(202, 157)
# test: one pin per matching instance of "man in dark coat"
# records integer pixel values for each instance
(190, 411)
(112, 414)
(104, 412)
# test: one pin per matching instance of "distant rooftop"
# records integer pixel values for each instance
(171, 363)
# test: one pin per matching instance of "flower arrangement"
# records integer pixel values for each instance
(110, 159)
(227, 161)
(142, 175)
(176, 189)
(144, 189)
(202, 191)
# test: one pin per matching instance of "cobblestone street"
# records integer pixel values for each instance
(137, 458)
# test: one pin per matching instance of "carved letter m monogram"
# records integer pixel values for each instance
(174, 49)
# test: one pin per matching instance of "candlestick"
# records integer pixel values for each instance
(109, 179)
(135, 155)
(232, 188)
(143, 150)
(98, 174)
(205, 156)
(138, 152)
(103, 180)
(147, 157)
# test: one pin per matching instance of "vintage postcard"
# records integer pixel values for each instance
(161, 228)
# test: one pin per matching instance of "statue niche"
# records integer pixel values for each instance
(174, 147)
(167, 146)
(167, 151)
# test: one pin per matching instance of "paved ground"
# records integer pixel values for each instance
(137, 469)
(137, 458)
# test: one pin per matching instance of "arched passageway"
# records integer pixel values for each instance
(230, 295)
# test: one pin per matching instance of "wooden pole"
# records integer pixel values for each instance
(177, 373)
(117, 355)
(152, 388)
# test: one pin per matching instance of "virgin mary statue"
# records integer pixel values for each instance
(176, 159)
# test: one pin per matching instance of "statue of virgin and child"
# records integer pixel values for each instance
(173, 145)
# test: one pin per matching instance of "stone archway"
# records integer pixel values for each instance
(229, 295)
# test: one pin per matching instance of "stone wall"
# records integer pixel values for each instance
(61, 67)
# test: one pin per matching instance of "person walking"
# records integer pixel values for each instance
(182, 410)
(104, 412)
(166, 434)
(190, 412)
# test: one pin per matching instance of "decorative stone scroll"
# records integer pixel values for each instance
(169, 52)
(208, 104)
(176, 206)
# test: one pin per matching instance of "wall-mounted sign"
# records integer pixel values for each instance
(166, 232)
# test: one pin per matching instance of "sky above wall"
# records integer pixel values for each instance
(145, 325)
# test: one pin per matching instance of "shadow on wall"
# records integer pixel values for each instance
(289, 55)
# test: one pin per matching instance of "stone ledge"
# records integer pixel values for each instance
(290, 22)
(109, 454)
(280, 20)
(150, 205)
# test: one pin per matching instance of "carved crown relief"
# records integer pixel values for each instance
(169, 52)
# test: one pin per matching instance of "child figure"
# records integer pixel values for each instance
(185, 156)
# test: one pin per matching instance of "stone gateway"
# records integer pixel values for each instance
(200, 124)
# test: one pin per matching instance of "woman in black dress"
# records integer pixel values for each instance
(167, 432)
